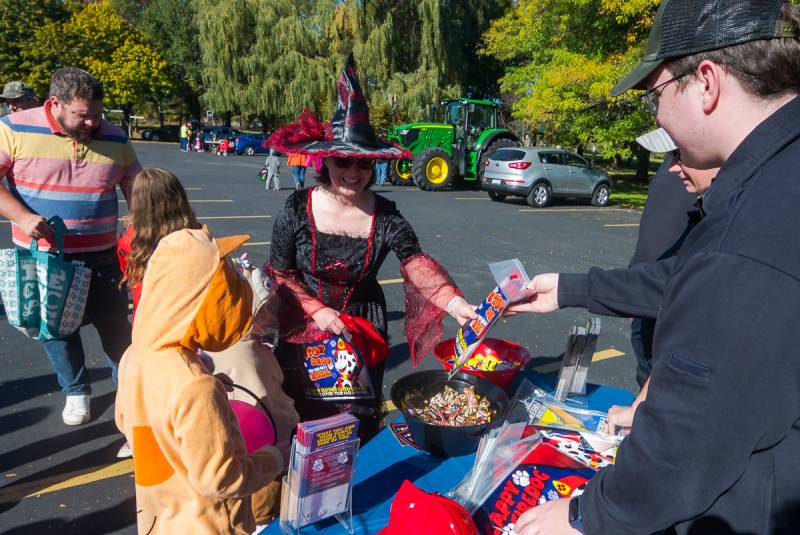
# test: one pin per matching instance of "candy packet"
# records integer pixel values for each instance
(511, 281)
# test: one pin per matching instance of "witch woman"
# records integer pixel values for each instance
(328, 245)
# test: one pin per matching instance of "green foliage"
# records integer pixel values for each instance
(563, 58)
(99, 40)
(19, 19)
(279, 57)
(170, 27)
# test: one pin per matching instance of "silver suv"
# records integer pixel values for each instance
(539, 174)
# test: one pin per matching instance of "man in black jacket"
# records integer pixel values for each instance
(714, 446)
(667, 217)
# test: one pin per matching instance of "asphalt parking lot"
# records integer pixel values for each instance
(55, 478)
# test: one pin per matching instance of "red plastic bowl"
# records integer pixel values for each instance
(502, 349)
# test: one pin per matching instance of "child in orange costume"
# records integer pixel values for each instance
(192, 472)
(248, 362)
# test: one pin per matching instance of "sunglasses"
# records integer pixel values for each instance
(346, 163)
(650, 98)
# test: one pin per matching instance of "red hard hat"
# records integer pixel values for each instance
(424, 513)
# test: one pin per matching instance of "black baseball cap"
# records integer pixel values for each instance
(685, 27)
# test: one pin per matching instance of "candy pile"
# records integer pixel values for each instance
(488, 363)
(450, 408)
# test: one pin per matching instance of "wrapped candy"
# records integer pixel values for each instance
(451, 408)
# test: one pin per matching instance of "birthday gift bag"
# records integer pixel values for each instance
(44, 295)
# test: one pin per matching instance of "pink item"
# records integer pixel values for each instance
(256, 427)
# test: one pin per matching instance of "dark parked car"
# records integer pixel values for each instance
(538, 174)
(165, 133)
(250, 143)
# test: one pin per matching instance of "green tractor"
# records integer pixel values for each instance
(453, 151)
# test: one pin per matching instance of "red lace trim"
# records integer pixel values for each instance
(428, 288)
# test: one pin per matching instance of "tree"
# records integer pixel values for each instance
(278, 57)
(135, 73)
(19, 20)
(170, 27)
(563, 58)
(97, 39)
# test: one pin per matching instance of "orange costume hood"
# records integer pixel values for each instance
(192, 472)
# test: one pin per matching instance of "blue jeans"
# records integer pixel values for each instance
(184, 143)
(381, 172)
(107, 310)
(299, 176)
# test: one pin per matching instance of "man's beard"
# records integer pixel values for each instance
(79, 135)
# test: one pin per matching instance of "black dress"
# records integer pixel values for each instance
(331, 267)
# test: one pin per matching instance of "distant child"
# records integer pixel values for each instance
(154, 251)
(272, 166)
(198, 143)
(222, 150)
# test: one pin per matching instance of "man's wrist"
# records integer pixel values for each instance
(575, 514)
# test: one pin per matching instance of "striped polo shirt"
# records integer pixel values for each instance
(53, 174)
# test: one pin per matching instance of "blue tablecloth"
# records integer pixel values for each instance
(383, 464)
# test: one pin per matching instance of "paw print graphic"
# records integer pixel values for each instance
(509, 530)
(521, 478)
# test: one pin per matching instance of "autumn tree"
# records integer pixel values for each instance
(562, 59)
(99, 40)
(19, 20)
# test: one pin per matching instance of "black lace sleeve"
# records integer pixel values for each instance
(399, 233)
(283, 252)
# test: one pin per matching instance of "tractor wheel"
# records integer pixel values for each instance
(433, 169)
(490, 150)
(400, 173)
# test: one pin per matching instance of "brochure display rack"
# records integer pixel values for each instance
(318, 484)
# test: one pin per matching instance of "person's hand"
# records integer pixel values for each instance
(620, 417)
(551, 518)
(460, 310)
(542, 296)
(35, 226)
(327, 319)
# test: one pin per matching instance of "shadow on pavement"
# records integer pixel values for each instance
(19, 390)
(398, 355)
(22, 419)
(51, 445)
(101, 403)
(109, 520)
(12, 494)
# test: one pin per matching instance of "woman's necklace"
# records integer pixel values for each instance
(370, 240)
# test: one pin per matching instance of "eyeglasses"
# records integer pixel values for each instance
(650, 98)
(346, 163)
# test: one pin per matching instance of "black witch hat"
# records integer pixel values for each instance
(348, 135)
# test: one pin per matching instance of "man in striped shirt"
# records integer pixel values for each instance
(64, 159)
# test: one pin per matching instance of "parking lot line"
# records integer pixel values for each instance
(552, 210)
(15, 493)
(235, 217)
(390, 281)
(254, 243)
(605, 354)
(472, 198)
(196, 200)
(623, 225)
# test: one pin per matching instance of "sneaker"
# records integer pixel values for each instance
(125, 451)
(76, 410)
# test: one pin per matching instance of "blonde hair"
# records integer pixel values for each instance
(159, 207)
